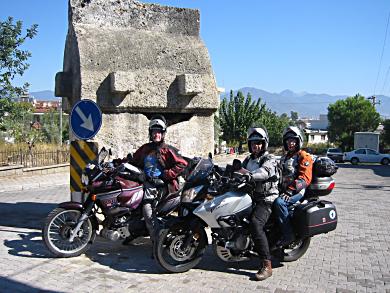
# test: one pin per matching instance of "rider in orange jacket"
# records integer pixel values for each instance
(297, 175)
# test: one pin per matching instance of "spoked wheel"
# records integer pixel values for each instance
(295, 250)
(179, 250)
(57, 230)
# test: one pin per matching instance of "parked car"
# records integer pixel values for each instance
(335, 154)
(366, 156)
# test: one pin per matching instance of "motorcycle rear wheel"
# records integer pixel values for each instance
(172, 256)
(56, 233)
(295, 250)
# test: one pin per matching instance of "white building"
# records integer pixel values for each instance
(316, 136)
(316, 129)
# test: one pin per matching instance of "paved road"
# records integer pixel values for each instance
(353, 258)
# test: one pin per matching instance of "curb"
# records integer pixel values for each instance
(29, 186)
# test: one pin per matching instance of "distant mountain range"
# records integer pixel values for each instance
(44, 96)
(306, 104)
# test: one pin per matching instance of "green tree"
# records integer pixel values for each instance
(386, 132)
(12, 58)
(50, 127)
(275, 125)
(15, 119)
(294, 116)
(349, 116)
(237, 114)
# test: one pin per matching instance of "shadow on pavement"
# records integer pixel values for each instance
(211, 262)
(29, 245)
(133, 258)
(29, 215)
(137, 258)
(379, 170)
(7, 285)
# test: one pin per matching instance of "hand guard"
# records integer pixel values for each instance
(248, 177)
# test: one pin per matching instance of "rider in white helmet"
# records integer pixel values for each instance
(262, 167)
(297, 174)
(162, 164)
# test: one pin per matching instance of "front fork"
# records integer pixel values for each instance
(194, 233)
(88, 206)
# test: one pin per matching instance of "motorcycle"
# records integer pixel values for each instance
(226, 208)
(114, 192)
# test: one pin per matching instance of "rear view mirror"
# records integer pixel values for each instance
(102, 155)
(237, 165)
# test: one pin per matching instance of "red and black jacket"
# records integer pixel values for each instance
(172, 162)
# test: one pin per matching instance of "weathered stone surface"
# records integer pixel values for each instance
(122, 82)
(190, 84)
(135, 59)
(63, 84)
(128, 134)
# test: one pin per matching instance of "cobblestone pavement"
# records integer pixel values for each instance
(353, 258)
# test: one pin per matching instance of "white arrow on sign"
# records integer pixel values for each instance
(87, 122)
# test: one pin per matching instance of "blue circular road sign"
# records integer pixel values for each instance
(85, 119)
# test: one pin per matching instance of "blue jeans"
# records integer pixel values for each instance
(284, 218)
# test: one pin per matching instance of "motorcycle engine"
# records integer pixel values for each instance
(114, 235)
(231, 249)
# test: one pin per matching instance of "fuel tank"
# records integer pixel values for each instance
(230, 203)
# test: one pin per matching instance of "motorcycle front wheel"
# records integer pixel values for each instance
(56, 233)
(179, 250)
(296, 249)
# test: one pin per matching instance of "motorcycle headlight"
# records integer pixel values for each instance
(84, 179)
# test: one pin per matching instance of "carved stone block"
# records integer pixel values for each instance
(190, 84)
(63, 84)
(122, 82)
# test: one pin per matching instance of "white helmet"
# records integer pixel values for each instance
(293, 132)
(258, 134)
(157, 123)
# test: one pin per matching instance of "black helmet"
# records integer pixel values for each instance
(293, 132)
(157, 122)
(258, 134)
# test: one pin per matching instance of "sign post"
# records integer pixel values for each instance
(85, 122)
(85, 119)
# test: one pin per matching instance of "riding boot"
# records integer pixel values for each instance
(265, 271)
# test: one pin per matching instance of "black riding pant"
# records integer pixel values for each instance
(259, 218)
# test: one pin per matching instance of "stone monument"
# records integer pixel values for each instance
(136, 60)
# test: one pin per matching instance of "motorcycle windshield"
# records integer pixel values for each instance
(201, 170)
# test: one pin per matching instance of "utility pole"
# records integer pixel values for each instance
(374, 102)
(60, 109)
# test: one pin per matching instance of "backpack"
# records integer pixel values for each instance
(324, 167)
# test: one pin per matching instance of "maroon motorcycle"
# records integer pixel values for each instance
(114, 192)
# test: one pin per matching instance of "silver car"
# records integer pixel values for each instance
(364, 155)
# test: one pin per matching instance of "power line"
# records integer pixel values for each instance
(383, 49)
(385, 81)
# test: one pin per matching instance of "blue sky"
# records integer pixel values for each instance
(331, 46)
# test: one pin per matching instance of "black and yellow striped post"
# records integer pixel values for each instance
(81, 153)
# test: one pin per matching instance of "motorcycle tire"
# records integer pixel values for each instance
(56, 233)
(296, 250)
(169, 253)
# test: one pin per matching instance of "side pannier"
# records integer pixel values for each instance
(314, 217)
